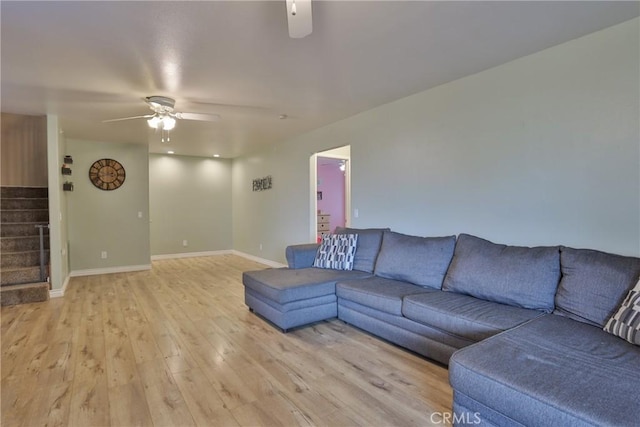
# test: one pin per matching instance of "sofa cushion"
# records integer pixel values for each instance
(625, 323)
(594, 284)
(419, 260)
(550, 371)
(284, 285)
(425, 340)
(463, 315)
(375, 292)
(514, 275)
(301, 256)
(336, 251)
(369, 241)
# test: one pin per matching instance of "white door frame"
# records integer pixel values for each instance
(342, 153)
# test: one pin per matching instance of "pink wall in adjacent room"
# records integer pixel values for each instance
(331, 183)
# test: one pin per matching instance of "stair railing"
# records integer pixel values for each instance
(43, 274)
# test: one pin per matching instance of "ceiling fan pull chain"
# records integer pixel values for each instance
(164, 132)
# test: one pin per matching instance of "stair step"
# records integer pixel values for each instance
(11, 216)
(24, 192)
(24, 293)
(22, 229)
(17, 276)
(22, 203)
(22, 259)
(22, 243)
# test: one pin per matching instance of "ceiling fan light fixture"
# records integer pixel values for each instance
(162, 122)
(154, 122)
(168, 123)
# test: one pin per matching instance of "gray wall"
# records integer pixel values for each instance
(541, 150)
(190, 199)
(108, 220)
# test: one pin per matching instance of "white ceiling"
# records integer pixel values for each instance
(90, 61)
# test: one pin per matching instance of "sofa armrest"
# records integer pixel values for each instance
(301, 256)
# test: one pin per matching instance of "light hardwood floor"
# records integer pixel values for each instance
(176, 346)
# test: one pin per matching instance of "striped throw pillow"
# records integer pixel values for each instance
(625, 323)
(337, 251)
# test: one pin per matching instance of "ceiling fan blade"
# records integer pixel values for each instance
(299, 18)
(219, 105)
(148, 116)
(198, 116)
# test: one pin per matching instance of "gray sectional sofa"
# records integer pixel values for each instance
(520, 328)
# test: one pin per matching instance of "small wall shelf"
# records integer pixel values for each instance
(67, 171)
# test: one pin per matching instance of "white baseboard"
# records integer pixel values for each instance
(131, 268)
(189, 255)
(258, 259)
(110, 270)
(58, 293)
(221, 252)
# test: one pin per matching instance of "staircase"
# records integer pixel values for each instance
(21, 209)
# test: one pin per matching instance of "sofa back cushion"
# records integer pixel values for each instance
(419, 260)
(594, 284)
(369, 241)
(519, 276)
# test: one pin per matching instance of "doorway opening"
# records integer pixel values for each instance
(330, 191)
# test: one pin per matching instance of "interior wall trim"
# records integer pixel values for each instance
(258, 259)
(189, 254)
(109, 270)
(58, 293)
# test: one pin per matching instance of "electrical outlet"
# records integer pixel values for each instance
(260, 246)
(185, 243)
(139, 214)
(356, 213)
(103, 255)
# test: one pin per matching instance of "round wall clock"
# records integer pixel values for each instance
(107, 174)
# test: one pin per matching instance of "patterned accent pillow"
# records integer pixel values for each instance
(337, 251)
(625, 323)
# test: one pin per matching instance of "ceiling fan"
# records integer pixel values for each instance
(299, 18)
(164, 116)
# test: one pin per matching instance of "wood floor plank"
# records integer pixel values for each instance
(27, 344)
(89, 401)
(128, 405)
(120, 359)
(11, 315)
(204, 407)
(226, 382)
(250, 415)
(176, 346)
(17, 398)
(166, 403)
(52, 406)
(62, 352)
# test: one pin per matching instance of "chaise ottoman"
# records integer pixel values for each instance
(294, 297)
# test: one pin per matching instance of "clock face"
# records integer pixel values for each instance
(107, 174)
